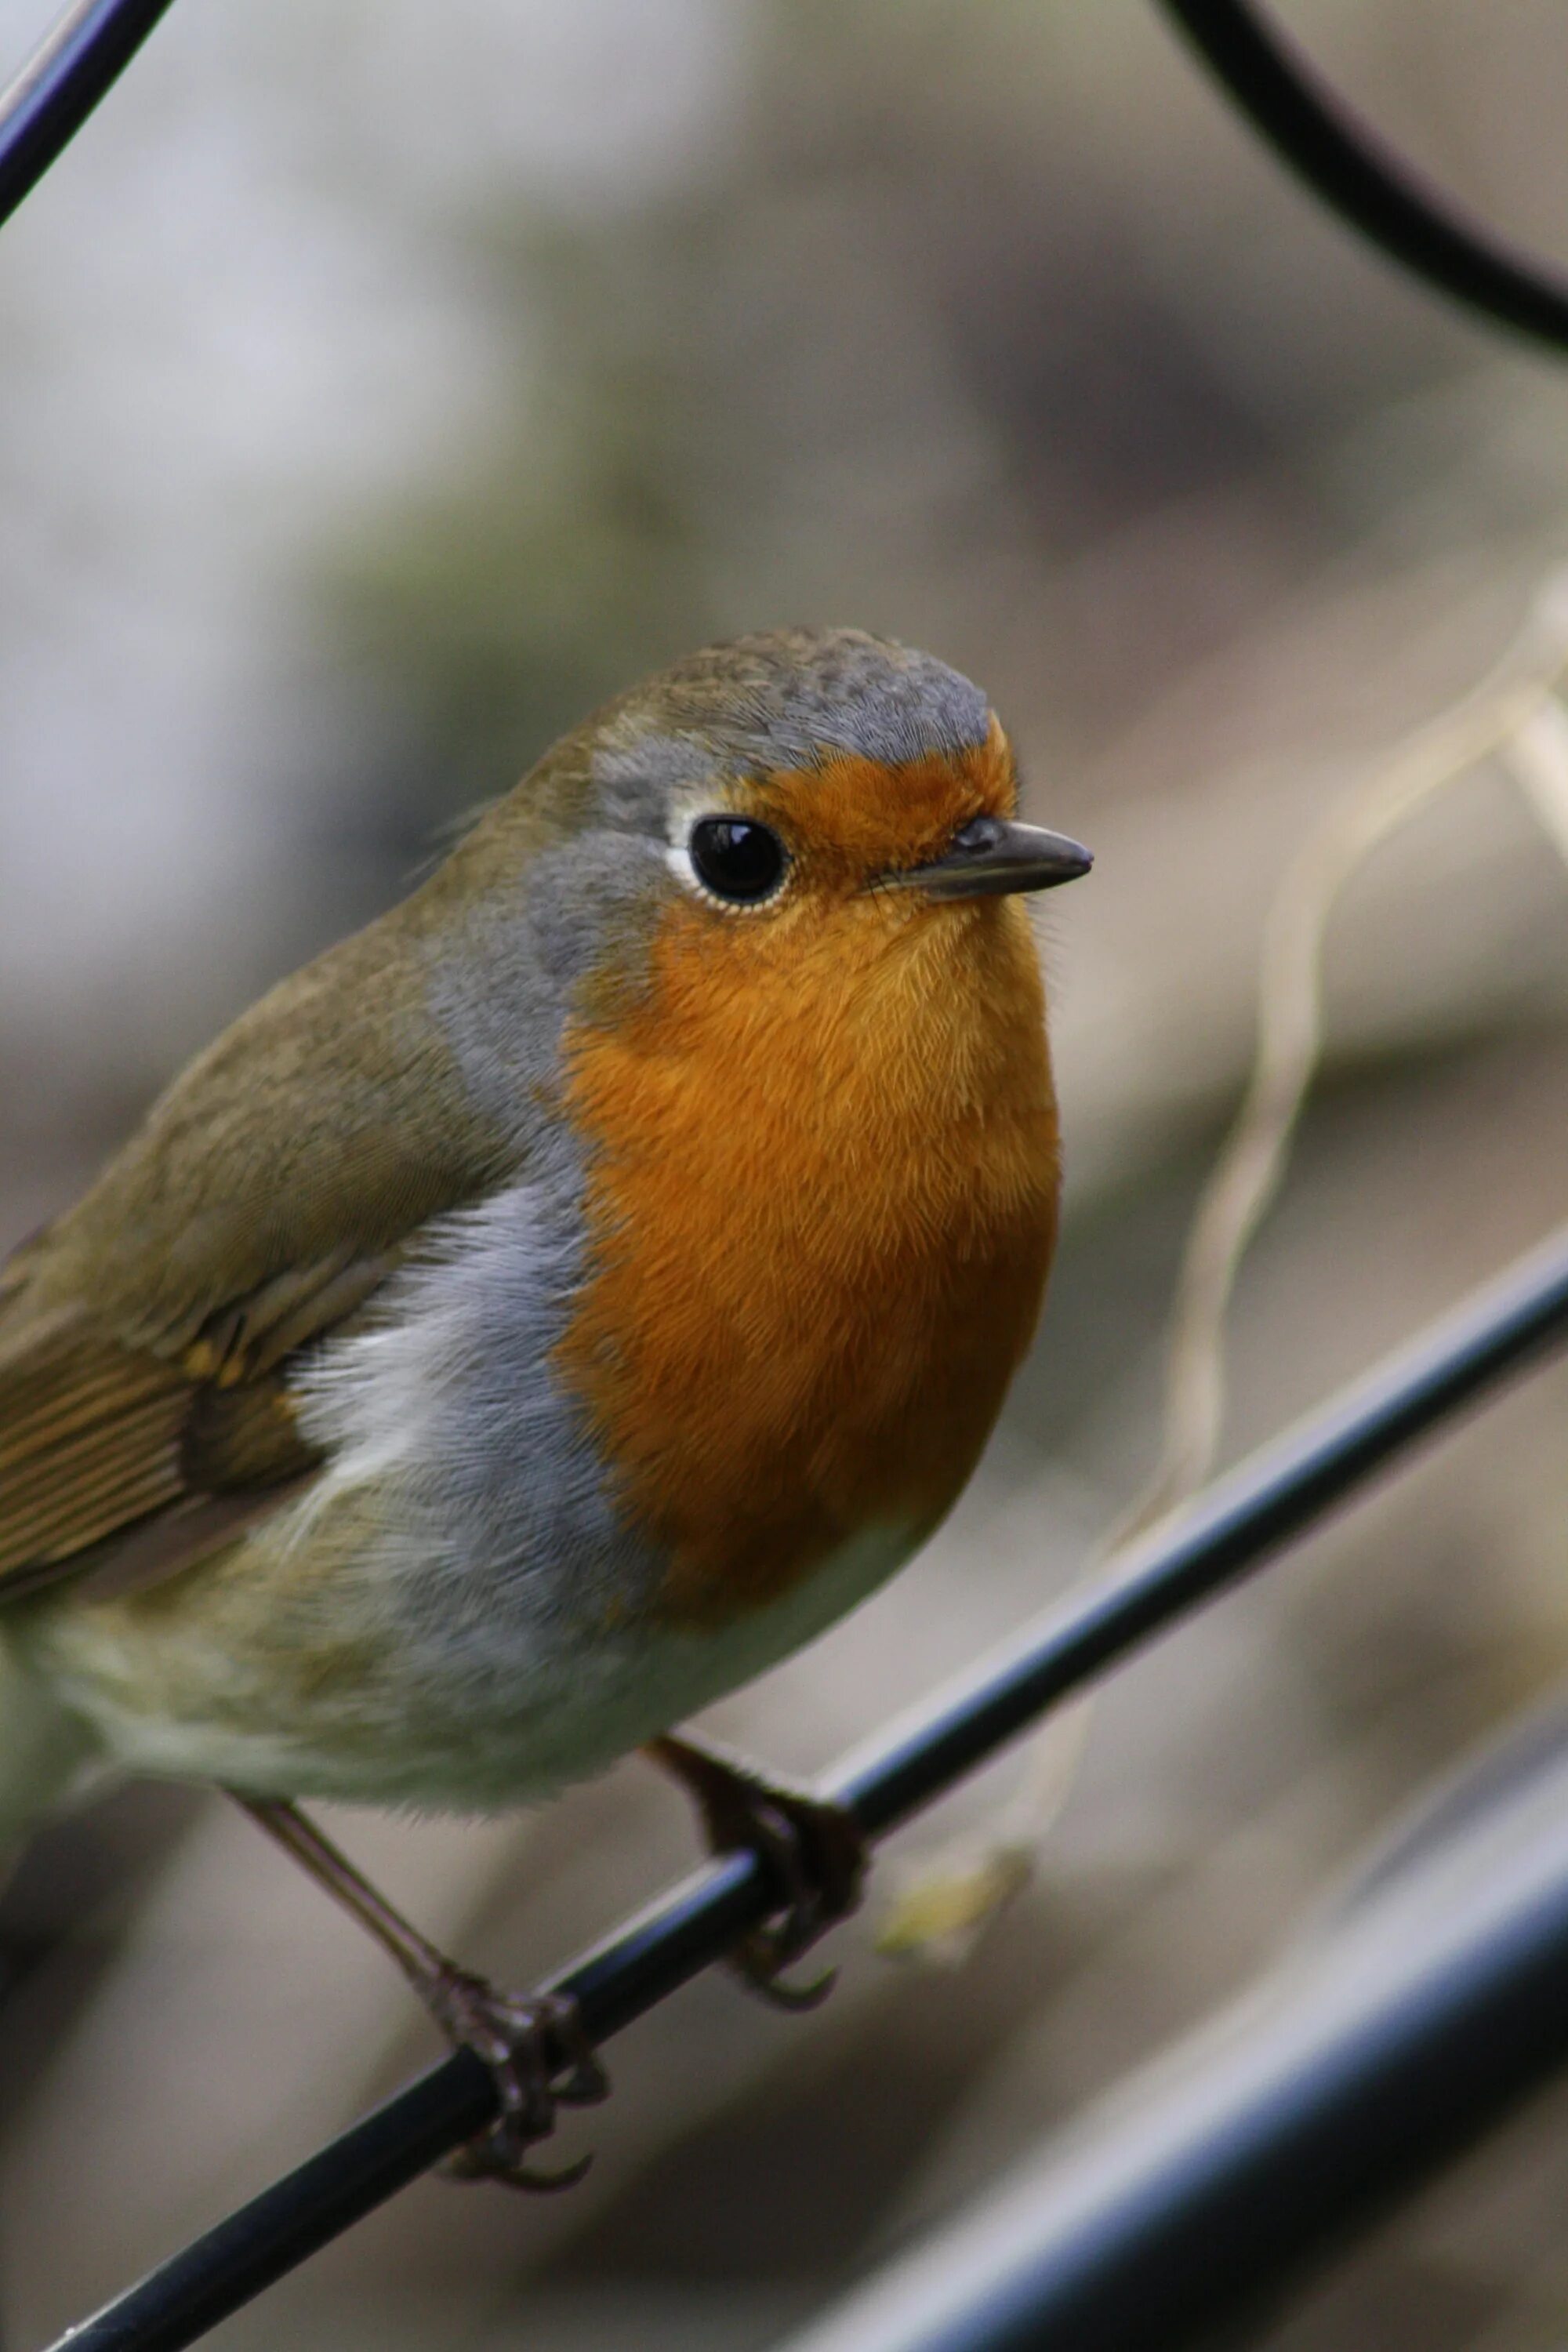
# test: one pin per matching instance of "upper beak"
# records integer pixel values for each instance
(992, 855)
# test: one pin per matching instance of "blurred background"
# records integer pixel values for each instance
(381, 385)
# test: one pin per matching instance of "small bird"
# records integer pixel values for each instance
(555, 1304)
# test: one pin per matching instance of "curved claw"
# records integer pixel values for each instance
(484, 2159)
(526, 2042)
(763, 1979)
(816, 1850)
(545, 2184)
(587, 2086)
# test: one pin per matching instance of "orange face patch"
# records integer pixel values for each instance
(821, 1197)
(851, 819)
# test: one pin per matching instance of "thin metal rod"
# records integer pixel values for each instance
(47, 104)
(1230, 1530)
(1346, 162)
(1200, 2192)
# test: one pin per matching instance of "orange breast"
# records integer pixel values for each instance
(822, 1203)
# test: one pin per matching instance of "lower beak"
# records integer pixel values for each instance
(993, 855)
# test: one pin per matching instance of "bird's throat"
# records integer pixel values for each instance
(821, 1207)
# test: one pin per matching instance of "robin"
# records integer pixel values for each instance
(556, 1303)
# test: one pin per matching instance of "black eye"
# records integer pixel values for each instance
(737, 859)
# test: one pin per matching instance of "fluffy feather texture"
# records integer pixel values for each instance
(562, 1298)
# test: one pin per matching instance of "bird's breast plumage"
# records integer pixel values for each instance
(745, 1230)
(821, 1194)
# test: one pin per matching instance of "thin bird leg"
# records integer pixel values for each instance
(534, 2044)
(816, 1848)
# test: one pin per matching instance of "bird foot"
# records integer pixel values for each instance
(816, 1850)
(539, 2059)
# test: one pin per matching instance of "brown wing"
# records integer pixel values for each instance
(146, 1339)
(89, 1436)
(106, 1447)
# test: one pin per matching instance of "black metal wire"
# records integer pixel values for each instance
(1230, 1530)
(1387, 2043)
(1345, 162)
(47, 104)
(1340, 156)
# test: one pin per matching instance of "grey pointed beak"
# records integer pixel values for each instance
(993, 855)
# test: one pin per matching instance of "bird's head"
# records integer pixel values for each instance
(800, 776)
(795, 789)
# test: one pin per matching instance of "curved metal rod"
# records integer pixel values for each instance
(1345, 162)
(42, 110)
(1338, 155)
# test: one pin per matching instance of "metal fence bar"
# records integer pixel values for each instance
(1385, 2045)
(47, 104)
(1338, 157)
(1228, 1532)
(1346, 163)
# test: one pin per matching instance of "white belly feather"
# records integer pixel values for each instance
(457, 1614)
(424, 1731)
